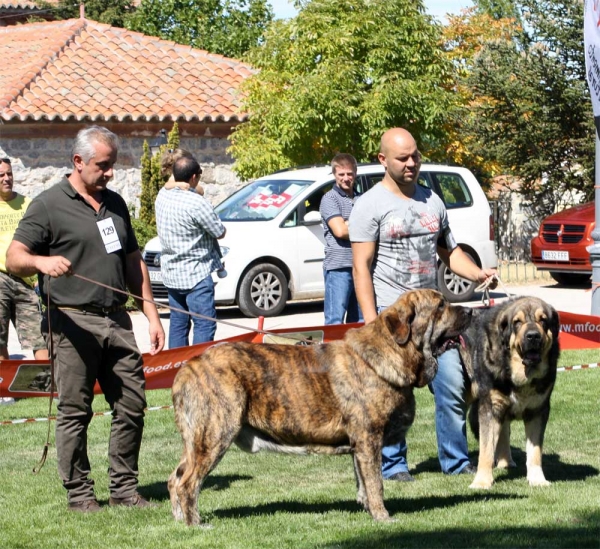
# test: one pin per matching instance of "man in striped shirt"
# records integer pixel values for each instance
(341, 304)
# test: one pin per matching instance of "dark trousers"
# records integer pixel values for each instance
(91, 347)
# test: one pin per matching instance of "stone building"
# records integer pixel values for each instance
(58, 77)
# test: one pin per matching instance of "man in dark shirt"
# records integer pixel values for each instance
(79, 226)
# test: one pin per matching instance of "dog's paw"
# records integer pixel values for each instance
(362, 501)
(388, 520)
(382, 516)
(481, 482)
(535, 477)
(505, 464)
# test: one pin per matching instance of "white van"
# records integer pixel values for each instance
(274, 246)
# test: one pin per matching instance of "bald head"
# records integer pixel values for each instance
(396, 137)
(400, 156)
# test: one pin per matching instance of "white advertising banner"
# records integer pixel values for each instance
(592, 54)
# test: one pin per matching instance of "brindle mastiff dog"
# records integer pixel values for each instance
(510, 355)
(347, 396)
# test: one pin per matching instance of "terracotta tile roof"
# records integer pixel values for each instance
(83, 70)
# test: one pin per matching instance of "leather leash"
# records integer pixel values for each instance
(196, 315)
(42, 461)
(39, 466)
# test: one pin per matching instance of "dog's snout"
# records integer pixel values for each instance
(533, 337)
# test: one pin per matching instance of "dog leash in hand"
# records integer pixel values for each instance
(485, 288)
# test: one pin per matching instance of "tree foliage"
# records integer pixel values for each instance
(498, 9)
(227, 27)
(464, 37)
(530, 110)
(335, 77)
(146, 196)
(151, 176)
(111, 12)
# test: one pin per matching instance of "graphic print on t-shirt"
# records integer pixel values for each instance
(413, 241)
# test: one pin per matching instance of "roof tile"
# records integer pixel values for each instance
(80, 69)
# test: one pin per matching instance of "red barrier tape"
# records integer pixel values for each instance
(30, 378)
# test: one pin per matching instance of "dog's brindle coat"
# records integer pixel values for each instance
(348, 396)
(510, 355)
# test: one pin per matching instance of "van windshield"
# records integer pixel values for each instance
(260, 200)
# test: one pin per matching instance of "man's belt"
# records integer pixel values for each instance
(91, 309)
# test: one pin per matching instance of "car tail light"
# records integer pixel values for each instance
(492, 231)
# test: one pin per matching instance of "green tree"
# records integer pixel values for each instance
(531, 111)
(147, 196)
(335, 77)
(152, 179)
(111, 12)
(464, 37)
(227, 27)
(498, 9)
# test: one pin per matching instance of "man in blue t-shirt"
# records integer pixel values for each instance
(340, 298)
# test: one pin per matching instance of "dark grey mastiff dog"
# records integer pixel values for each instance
(510, 354)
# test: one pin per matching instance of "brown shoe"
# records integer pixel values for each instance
(132, 501)
(86, 506)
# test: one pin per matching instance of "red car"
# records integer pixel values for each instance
(560, 246)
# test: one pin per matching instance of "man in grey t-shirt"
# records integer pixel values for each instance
(396, 229)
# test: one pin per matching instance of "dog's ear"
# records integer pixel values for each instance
(505, 325)
(398, 321)
(553, 322)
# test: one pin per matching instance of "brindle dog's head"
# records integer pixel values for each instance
(428, 321)
(529, 328)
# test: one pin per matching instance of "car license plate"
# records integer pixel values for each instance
(551, 255)
(155, 276)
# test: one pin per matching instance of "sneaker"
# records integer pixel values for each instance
(402, 477)
(137, 500)
(6, 401)
(86, 506)
(468, 470)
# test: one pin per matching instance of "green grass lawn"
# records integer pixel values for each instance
(275, 501)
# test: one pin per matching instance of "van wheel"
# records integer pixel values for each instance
(263, 291)
(570, 279)
(455, 288)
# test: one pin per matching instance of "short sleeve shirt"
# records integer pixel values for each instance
(406, 232)
(59, 221)
(338, 251)
(11, 213)
(188, 228)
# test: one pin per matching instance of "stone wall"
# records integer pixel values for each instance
(40, 163)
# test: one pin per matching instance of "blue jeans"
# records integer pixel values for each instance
(449, 388)
(200, 299)
(340, 304)
(449, 391)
